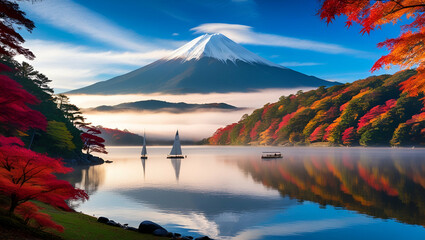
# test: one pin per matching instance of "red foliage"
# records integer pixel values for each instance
(10, 40)
(93, 143)
(253, 134)
(328, 131)
(10, 141)
(317, 134)
(344, 106)
(376, 112)
(14, 111)
(4, 68)
(284, 122)
(26, 175)
(29, 210)
(215, 139)
(272, 128)
(266, 109)
(416, 118)
(348, 136)
(241, 132)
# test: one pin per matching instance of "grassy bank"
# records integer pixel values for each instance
(81, 226)
(77, 226)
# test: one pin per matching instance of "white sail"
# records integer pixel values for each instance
(177, 149)
(144, 152)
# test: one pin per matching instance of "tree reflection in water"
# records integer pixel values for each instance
(385, 188)
(88, 178)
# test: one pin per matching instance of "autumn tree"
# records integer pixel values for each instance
(59, 136)
(26, 175)
(15, 114)
(92, 142)
(348, 136)
(407, 50)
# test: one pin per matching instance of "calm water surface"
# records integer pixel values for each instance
(231, 193)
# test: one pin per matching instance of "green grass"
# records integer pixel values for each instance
(80, 226)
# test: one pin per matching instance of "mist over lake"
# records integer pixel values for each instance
(192, 125)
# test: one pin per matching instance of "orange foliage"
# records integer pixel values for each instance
(416, 118)
(407, 50)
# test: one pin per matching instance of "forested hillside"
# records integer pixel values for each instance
(61, 137)
(368, 112)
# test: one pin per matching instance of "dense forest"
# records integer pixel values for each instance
(66, 133)
(369, 112)
(62, 137)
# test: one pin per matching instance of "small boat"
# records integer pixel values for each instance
(144, 152)
(176, 151)
(272, 155)
(109, 161)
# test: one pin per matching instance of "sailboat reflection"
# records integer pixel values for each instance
(176, 162)
(144, 167)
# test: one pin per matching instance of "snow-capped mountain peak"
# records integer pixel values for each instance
(219, 47)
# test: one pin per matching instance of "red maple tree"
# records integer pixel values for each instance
(92, 143)
(26, 175)
(15, 114)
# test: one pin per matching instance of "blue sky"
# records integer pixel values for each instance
(81, 42)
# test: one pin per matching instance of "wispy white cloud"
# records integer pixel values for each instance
(300, 64)
(72, 17)
(246, 35)
(72, 66)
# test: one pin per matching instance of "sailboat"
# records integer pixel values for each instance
(144, 152)
(176, 151)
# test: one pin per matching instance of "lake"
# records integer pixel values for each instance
(231, 193)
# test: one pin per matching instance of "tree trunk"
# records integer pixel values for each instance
(13, 204)
(32, 139)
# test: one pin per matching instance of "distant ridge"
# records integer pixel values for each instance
(162, 106)
(209, 63)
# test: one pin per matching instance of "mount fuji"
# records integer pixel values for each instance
(209, 63)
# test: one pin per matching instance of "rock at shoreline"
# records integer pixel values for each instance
(83, 159)
(149, 227)
(132, 229)
(160, 232)
(203, 238)
(114, 224)
(103, 220)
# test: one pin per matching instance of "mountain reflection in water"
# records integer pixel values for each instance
(389, 186)
(231, 193)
